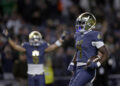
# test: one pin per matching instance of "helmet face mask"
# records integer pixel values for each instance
(80, 25)
(35, 38)
(85, 22)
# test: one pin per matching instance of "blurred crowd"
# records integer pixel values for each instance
(51, 18)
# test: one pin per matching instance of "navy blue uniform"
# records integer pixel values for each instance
(85, 47)
(35, 60)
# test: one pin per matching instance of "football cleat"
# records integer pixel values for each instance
(85, 22)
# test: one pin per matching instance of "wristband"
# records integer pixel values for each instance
(58, 43)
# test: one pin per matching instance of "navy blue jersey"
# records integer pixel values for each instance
(84, 46)
(35, 55)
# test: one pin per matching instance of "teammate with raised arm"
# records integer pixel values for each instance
(88, 43)
(35, 50)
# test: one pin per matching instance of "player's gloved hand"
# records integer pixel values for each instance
(71, 67)
(94, 65)
(6, 34)
(63, 35)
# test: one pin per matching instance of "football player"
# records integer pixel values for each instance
(88, 43)
(35, 50)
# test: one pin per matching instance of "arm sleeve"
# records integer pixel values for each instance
(97, 40)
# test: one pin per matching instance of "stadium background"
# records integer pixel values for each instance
(51, 17)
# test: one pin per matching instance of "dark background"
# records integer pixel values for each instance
(51, 17)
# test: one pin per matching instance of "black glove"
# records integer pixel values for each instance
(63, 35)
(6, 34)
(71, 67)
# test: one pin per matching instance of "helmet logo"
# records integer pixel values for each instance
(99, 36)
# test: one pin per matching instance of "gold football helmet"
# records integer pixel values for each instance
(85, 21)
(35, 38)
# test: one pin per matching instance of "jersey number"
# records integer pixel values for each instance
(35, 55)
(79, 47)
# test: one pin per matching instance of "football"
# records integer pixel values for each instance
(93, 59)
